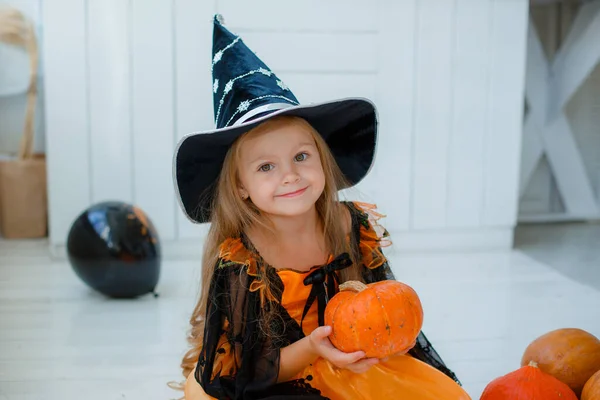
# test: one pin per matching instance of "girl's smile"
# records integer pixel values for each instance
(293, 194)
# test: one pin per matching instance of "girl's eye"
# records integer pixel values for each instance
(265, 167)
(301, 157)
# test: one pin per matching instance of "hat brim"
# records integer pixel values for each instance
(348, 126)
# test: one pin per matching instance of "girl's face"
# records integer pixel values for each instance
(280, 169)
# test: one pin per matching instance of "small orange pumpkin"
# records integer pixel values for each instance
(570, 355)
(527, 383)
(591, 389)
(381, 319)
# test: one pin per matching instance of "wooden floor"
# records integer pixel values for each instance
(60, 340)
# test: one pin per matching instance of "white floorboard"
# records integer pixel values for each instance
(59, 340)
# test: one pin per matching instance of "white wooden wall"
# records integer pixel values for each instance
(126, 79)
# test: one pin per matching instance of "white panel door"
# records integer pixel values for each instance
(193, 84)
(433, 113)
(153, 111)
(395, 101)
(503, 140)
(109, 63)
(469, 113)
(447, 79)
(66, 114)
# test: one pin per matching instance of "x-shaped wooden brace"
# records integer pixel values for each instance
(549, 86)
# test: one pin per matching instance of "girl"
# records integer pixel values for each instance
(280, 242)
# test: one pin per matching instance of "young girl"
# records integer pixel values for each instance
(280, 243)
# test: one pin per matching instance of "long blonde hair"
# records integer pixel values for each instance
(231, 216)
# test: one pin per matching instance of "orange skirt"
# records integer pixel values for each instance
(401, 377)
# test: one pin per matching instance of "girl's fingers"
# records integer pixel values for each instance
(321, 332)
(362, 365)
(341, 359)
(328, 351)
(319, 341)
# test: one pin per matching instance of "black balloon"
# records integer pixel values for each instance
(114, 248)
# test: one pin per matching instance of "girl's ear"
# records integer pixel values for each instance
(243, 193)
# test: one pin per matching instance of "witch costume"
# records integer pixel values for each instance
(238, 359)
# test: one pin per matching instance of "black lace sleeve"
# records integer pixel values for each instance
(363, 229)
(381, 273)
(240, 357)
(237, 360)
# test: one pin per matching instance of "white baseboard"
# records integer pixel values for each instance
(442, 240)
(556, 217)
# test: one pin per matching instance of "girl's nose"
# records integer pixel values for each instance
(291, 175)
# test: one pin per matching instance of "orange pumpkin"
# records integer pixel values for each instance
(591, 390)
(570, 355)
(527, 383)
(381, 319)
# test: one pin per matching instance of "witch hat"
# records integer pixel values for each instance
(247, 93)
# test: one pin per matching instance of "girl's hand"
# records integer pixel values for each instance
(355, 362)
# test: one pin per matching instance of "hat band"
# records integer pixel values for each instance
(262, 109)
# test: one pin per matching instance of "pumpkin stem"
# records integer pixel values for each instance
(355, 286)
(533, 364)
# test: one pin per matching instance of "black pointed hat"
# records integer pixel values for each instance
(246, 93)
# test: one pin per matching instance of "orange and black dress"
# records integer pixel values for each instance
(240, 361)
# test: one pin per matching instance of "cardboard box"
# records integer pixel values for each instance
(23, 198)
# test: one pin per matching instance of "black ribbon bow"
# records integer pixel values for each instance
(321, 278)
